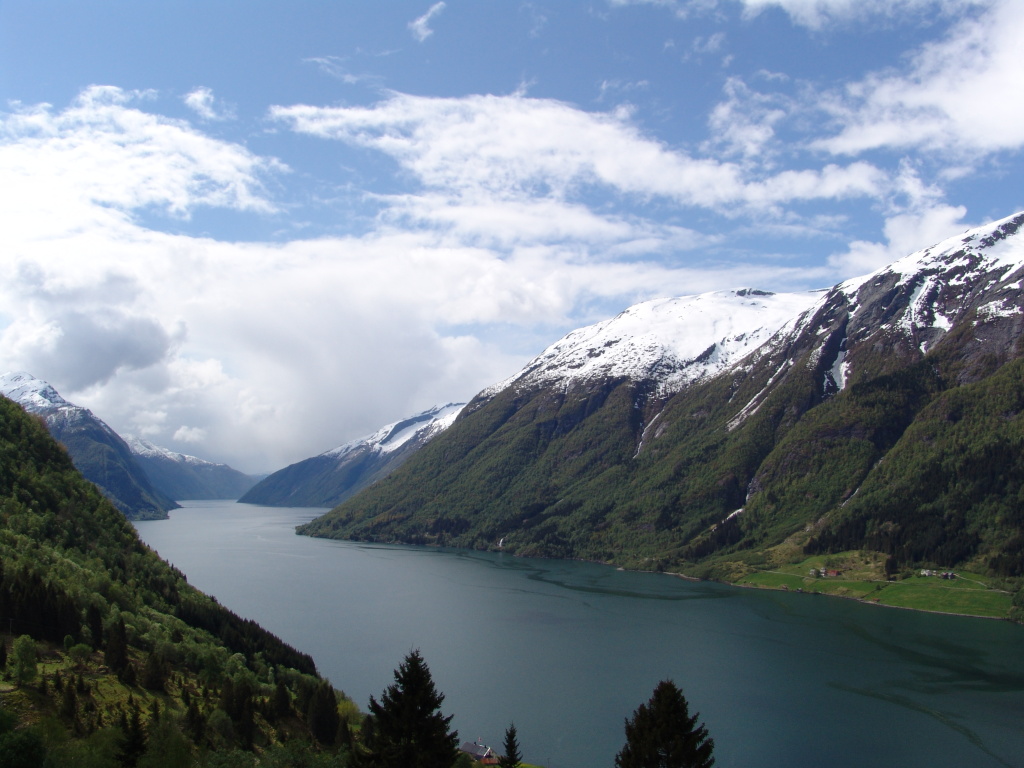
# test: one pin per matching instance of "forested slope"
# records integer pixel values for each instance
(129, 659)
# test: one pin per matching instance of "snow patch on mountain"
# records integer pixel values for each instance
(391, 437)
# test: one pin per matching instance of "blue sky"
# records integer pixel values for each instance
(252, 231)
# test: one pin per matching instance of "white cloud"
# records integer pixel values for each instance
(100, 159)
(744, 123)
(817, 14)
(203, 103)
(904, 234)
(958, 95)
(511, 147)
(190, 434)
(420, 27)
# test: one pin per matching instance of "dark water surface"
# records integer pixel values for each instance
(568, 650)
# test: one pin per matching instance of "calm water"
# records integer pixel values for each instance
(568, 650)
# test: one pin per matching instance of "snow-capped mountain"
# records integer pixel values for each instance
(97, 451)
(672, 341)
(181, 476)
(884, 413)
(331, 477)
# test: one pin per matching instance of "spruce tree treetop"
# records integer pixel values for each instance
(512, 757)
(406, 729)
(663, 734)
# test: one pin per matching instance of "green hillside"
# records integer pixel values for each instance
(112, 659)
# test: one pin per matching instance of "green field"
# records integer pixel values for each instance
(859, 578)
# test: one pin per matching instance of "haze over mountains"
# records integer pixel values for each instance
(884, 413)
(187, 477)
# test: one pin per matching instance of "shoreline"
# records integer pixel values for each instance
(687, 577)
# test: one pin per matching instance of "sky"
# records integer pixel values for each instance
(251, 231)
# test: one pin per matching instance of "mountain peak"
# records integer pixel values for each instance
(32, 394)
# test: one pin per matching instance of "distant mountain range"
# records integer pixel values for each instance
(141, 479)
(713, 433)
(181, 476)
(335, 475)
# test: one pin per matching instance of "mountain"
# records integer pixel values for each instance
(181, 476)
(713, 433)
(333, 476)
(98, 452)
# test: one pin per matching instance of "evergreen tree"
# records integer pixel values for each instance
(154, 673)
(512, 756)
(663, 734)
(322, 714)
(115, 652)
(406, 728)
(281, 702)
(133, 735)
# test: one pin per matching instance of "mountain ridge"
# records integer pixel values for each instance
(337, 474)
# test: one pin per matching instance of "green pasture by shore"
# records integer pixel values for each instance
(968, 594)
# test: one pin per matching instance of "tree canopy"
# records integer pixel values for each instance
(406, 728)
(663, 734)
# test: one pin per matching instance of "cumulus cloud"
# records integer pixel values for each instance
(420, 27)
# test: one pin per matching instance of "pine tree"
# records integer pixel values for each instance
(406, 728)
(663, 734)
(322, 714)
(512, 757)
(115, 652)
(133, 735)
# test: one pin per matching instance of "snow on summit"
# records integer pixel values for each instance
(31, 393)
(393, 436)
(142, 447)
(675, 340)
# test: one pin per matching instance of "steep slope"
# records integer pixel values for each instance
(98, 452)
(683, 459)
(180, 476)
(132, 654)
(333, 476)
